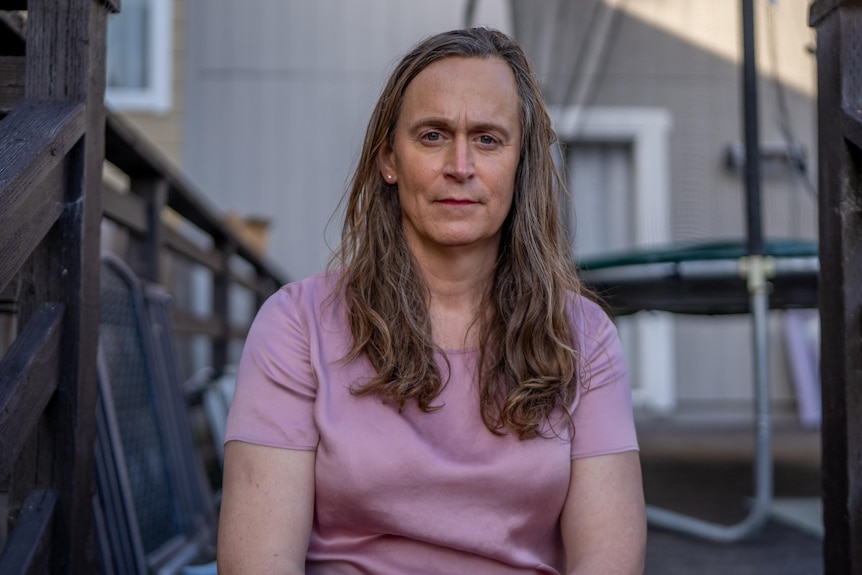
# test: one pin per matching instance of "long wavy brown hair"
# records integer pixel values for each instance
(528, 362)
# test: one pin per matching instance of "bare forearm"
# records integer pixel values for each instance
(267, 509)
(607, 566)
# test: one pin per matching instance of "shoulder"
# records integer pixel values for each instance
(595, 338)
(312, 290)
(308, 295)
(587, 316)
(301, 306)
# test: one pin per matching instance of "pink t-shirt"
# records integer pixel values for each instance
(415, 492)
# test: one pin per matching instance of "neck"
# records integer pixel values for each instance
(458, 283)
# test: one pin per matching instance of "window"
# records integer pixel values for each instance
(139, 53)
(616, 161)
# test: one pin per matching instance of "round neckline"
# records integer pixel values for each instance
(462, 351)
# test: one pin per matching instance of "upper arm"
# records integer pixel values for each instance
(604, 521)
(267, 509)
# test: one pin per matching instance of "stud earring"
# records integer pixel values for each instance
(388, 176)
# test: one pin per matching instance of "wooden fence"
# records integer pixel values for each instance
(55, 138)
(839, 62)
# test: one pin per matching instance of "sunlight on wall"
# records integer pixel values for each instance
(783, 36)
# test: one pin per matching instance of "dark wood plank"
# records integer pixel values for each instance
(839, 48)
(23, 229)
(852, 124)
(11, 81)
(66, 62)
(27, 550)
(138, 158)
(13, 4)
(188, 323)
(12, 32)
(154, 193)
(34, 138)
(29, 372)
(820, 9)
(112, 5)
(248, 282)
(186, 248)
(221, 305)
(239, 332)
(126, 209)
(132, 153)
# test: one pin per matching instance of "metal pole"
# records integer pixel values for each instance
(756, 267)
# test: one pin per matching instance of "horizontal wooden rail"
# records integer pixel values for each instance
(127, 150)
(132, 154)
(29, 373)
(852, 124)
(34, 140)
(251, 284)
(820, 9)
(28, 549)
(189, 323)
(128, 210)
(22, 233)
(185, 247)
(13, 4)
(11, 81)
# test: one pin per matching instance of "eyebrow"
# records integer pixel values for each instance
(434, 122)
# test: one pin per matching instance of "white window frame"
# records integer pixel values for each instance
(156, 97)
(646, 130)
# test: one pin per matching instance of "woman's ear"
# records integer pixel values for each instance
(386, 163)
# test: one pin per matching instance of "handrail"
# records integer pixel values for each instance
(129, 151)
(55, 136)
(51, 151)
(29, 373)
(34, 140)
(156, 188)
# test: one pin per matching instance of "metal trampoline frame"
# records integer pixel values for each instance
(753, 270)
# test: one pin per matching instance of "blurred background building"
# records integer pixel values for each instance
(263, 103)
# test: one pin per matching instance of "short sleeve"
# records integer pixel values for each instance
(276, 385)
(603, 418)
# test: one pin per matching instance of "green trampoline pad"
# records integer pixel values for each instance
(704, 278)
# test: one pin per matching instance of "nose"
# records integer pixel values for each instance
(459, 164)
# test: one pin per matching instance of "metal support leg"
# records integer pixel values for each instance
(757, 269)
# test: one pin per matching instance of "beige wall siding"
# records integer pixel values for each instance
(165, 131)
(702, 89)
(683, 57)
(700, 83)
(271, 99)
(278, 97)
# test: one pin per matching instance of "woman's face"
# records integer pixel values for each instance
(455, 154)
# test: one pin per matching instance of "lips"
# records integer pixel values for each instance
(454, 202)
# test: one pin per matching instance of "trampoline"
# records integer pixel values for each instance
(748, 276)
(711, 279)
(703, 279)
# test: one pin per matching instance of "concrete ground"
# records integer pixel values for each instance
(707, 473)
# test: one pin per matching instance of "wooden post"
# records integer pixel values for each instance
(154, 192)
(221, 303)
(66, 62)
(839, 60)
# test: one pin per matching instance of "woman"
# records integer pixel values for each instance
(444, 400)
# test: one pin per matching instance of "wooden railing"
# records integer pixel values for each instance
(54, 141)
(839, 61)
(173, 232)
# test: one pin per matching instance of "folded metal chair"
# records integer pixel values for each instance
(154, 508)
